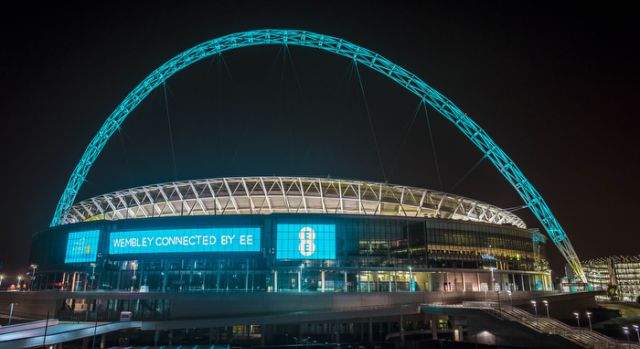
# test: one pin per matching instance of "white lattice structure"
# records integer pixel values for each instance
(266, 195)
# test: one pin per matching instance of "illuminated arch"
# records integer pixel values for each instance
(344, 48)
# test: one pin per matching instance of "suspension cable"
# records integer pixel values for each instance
(404, 139)
(433, 145)
(293, 69)
(373, 132)
(515, 208)
(468, 172)
(173, 152)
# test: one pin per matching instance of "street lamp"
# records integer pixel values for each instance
(33, 275)
(635, 327)
(626, 332)
(1, 278)
(535, 307)
(546, 305)
(577, 315)
(589, 319)
(510, 299)
(19, 282)
(11, 306)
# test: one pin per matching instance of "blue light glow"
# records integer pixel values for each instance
(306, 241)
(82, 246)
(185, 240)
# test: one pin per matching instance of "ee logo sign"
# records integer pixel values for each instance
(307, 247)
(306, 241)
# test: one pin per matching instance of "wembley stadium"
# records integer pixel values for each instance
(281, 259)
(289, 234)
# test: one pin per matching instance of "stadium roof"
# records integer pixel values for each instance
(266, 195)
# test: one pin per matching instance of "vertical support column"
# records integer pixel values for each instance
(478, 282)
(522, 282)
(156, 337)
(459, 334)
(299, 281)
(389, 277)
(322, 279)
(246, 277)
(464, 285)
(370, 330)
(346, 287)
(434, 328)
(103, 341)
(275, 281)
(170, 337)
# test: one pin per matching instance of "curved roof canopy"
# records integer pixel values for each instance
(266, 195)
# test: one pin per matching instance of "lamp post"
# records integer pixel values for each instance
(577, 315)
(626, 332)
(1, 278)
(535, 307)
(11, 306)
(588, 313)
(546, 305)
(510, 298)
(33, 275)
(19, 282)
(635, 327)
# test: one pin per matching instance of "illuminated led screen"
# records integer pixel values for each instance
(185, 240)
(306, 241)
(82, 246)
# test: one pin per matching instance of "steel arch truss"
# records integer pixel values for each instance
(401, 76)
(267, 195)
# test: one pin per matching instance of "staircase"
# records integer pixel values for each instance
(581, 336)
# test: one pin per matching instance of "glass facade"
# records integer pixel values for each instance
(301, 253)
(620, 272)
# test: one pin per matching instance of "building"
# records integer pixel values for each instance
(622, 272)
(288, 234)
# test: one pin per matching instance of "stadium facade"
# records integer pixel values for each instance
(288, 234)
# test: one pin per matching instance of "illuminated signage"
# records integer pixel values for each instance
(306, 241)
(185, 240)
(82, 246)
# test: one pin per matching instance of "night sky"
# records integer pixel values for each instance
(556, 88)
